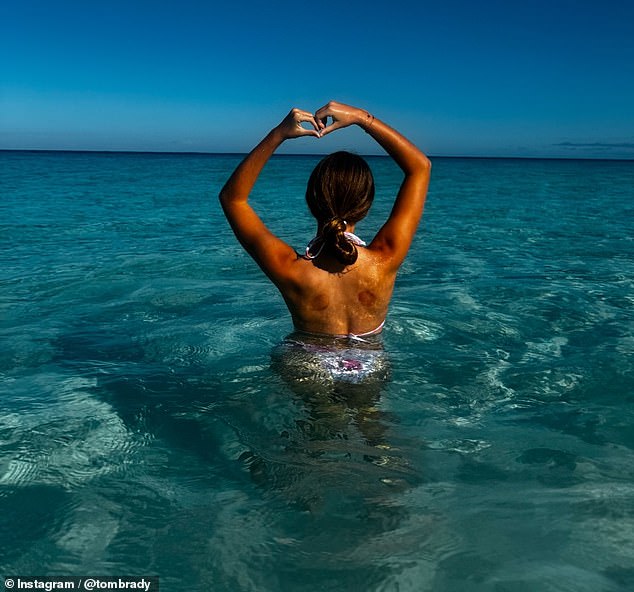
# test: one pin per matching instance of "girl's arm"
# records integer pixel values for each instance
(271, 253)
(395, 236)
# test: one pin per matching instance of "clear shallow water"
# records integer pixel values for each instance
(144, 431)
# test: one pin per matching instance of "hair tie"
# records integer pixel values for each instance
(336, 220)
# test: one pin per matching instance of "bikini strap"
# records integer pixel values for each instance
(360, 336)
(353, 238)
(311, 244)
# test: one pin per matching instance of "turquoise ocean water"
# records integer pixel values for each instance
(143, 430)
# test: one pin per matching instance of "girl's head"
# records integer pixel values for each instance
(340, 191)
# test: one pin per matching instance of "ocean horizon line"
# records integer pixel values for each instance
(301, 155)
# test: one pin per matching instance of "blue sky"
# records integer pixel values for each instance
(498, 78)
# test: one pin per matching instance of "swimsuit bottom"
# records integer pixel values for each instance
(325, 359)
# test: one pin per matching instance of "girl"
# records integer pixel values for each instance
(339, 287)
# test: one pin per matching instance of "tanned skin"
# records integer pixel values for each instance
(324, 296)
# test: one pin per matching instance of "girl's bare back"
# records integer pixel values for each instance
(324, 297)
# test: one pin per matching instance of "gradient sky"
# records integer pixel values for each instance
(498, 78)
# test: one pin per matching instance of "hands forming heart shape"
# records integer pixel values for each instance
(329, 118)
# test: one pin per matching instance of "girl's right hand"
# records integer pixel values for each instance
(291, 125)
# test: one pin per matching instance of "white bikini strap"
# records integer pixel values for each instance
(311, 244)
(353, 238)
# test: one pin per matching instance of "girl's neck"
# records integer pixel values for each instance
(320, 227)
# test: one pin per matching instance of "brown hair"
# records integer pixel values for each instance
(340, 190)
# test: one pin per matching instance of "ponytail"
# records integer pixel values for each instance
(337, 243)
